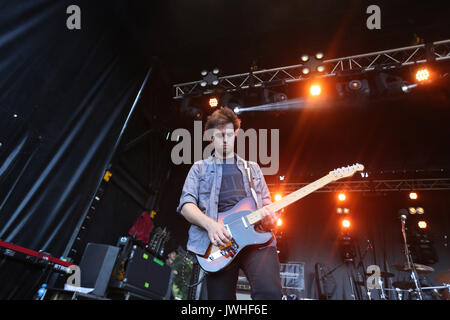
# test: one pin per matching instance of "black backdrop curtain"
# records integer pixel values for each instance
(65, 95)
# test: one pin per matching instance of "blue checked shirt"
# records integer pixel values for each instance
(202, 188)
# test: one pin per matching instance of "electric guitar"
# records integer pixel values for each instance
(241, 219)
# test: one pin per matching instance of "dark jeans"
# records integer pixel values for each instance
(262, 268)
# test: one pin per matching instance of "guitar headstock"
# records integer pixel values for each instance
(345, 172)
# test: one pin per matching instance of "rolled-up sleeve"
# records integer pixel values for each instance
(265, 192)
(189, 192)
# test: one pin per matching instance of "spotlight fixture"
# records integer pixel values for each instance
(236, 110)
(279, 222)
(213, 102)
(343, 210)
(413, 195)
(412, 210)
(355, 85)
(422, 74)
(281, 178)
(312, 65)
(209, 78)
(346, 223)
(319, 55)
(320, 68)
(342, 197)
(277, 196)
(420, 210)
(422, 224)
(315, 90)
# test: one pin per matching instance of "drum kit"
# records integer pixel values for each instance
(413, 289)
(407, 290)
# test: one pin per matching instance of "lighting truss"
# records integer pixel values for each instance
(373, 186)
(386, 59)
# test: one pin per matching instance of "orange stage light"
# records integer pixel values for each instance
(422, 74)
(279, 222)
(278, 196)
(346, 223)
(315, 90)
(413, 195)
(422, 224)
(213, 102)
(342, 196)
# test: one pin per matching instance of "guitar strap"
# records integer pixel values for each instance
(250, 180)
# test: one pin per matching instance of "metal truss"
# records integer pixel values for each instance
(372, 185)
(386, 59)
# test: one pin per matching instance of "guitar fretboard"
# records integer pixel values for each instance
(257, 216)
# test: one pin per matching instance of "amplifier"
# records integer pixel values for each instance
(142, 274)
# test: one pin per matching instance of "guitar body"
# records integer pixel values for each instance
(240, 221)
(243, 235)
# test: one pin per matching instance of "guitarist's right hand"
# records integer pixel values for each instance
(218, 234)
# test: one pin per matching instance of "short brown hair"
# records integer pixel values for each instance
(222, 116)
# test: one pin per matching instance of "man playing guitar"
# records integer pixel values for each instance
(215, 185)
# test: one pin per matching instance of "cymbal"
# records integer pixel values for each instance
(443, 277)
(420, 268)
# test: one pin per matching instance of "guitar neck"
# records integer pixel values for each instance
(257, 216)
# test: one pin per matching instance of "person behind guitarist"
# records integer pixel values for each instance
(215, 185)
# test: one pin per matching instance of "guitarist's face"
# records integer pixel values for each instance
(223, 138)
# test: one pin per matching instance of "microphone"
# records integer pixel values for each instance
(403, 214)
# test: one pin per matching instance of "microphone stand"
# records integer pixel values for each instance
(409, 260)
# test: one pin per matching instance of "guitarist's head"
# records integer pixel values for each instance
(222, 128)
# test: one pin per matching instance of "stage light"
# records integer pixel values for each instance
(237, 110)
(216, 71)
(315, 90)
(422, 224)
(203, 83)
(320, 68)
(215, 82)
(305, 57)
(319, 55)
(278, 196)
(346, 223)
(305, 70)
(422, 74)
(342, 196)
(355, 85)
(343, 210)
(281, 178)
(279, 222)
(412, 210)
(213, 102)
(420, 210)
(204, 73)
(413, 195)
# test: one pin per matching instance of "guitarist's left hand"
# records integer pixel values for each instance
(269, 221)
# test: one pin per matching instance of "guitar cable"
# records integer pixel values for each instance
(183, 277)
